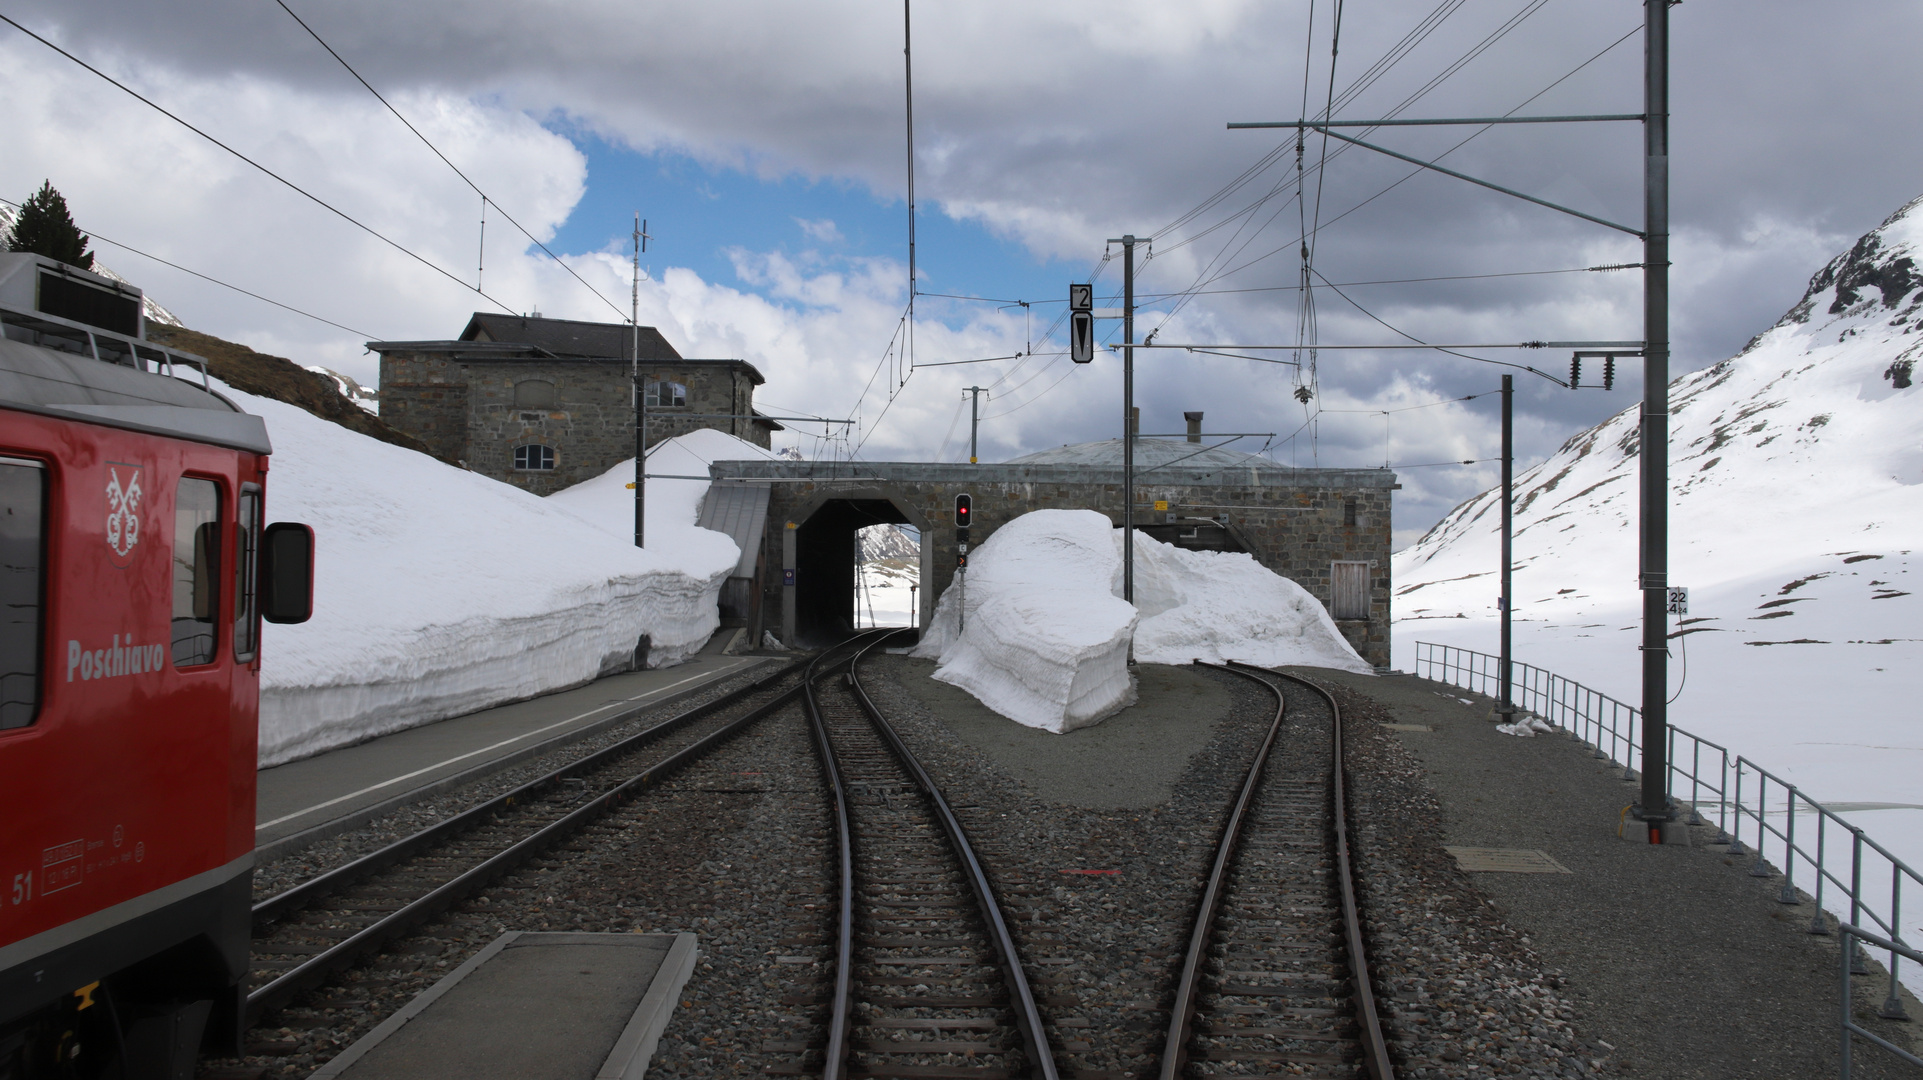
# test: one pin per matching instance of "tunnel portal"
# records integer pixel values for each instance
(825, 566)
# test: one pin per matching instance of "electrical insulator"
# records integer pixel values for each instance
(1575, 372)
(1303, 394)
(1609, 373)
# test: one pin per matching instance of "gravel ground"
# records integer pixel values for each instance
(735, 850)
(1464, 994)
(1111, 825)
(1672, 961)
(273, 878)
(1099, 838)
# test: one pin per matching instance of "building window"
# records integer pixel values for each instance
(23, 545)
(665, 394)
(534, 394)
(196, 570)
(1348, 512)
(1349, 590)
(534, 458)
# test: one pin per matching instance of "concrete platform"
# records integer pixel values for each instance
(306, 800)
(1685, 966)
(533, 1007)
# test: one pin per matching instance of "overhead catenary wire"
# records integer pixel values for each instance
(216, 281)
(486, 199)
(289, 184)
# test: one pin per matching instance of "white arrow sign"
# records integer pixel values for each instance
(1081, 336)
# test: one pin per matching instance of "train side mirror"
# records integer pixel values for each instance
(287, 573)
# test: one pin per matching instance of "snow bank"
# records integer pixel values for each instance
(1045, 641)
(1219, 606)
(1047, 635)
(438, 591)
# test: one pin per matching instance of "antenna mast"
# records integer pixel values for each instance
(908, 68)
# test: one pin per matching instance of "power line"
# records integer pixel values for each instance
(486, 201)
(1402, 333)
(315, 199)
(223, 284)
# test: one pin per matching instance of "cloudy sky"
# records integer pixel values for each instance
(765, 144)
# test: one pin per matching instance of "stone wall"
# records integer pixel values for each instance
(1295, 522)
(479, 409)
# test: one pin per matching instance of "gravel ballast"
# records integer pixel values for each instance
(1677, 962)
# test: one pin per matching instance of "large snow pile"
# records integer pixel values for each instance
(439, 591)
(1047, 635)
(1797, 471)
(1219, 606)
(674, 497)
(1045, 640)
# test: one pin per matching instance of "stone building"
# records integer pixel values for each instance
(1326, 529)
(547, 403)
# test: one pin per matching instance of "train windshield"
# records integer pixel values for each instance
(196, 571)
(23, 498)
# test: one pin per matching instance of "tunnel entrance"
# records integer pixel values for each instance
(829, 601)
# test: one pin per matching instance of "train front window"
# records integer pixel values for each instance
(23, 544)
(246, 564)
(196, 571)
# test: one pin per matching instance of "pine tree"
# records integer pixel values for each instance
(44, 227)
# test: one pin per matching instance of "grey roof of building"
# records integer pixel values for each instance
(569, 337)
(521, 337)
(75, 387)
(740, 510)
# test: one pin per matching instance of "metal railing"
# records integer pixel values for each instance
(1849, 1026)
(1744, 797)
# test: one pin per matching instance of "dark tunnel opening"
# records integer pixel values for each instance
(825, 579)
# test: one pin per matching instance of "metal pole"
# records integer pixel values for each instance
(640, 397)
(1506, 704)
(1128, 418)
(974, 420)
(641, 400)
(1654, 806)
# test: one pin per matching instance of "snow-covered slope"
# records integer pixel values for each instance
(1796, 521)
(439, 591)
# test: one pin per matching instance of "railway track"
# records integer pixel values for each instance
(1276, 978)
(928, 984)
(305, 935)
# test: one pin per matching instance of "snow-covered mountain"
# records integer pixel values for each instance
(889, 542)
(1796, 520)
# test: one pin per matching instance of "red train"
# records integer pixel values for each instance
(134, 574)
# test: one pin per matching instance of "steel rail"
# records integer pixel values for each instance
(317, 969)
(1182, 1013)
(1028, 1017)
(291, 900)
(839, 1019)
(1375, 1048)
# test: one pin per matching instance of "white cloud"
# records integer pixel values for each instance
(822, 231)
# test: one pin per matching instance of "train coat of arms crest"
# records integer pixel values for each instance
(124, 496)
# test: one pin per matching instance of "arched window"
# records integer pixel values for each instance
(534, 394)
(534, 458)
(663, 393)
